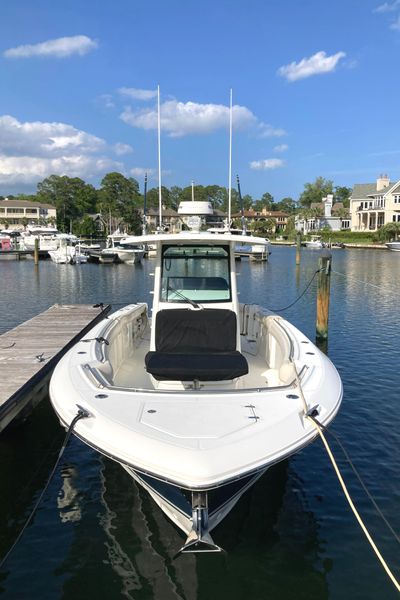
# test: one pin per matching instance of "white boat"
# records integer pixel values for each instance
(49, 238)
(199, 400)
(314, 242)
(259, 251)
(67, 253)
(122, 248)
(395, 246)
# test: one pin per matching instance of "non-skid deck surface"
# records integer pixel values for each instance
(32, 349)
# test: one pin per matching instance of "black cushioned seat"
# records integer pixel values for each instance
(196, 344)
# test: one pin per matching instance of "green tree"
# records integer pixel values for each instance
(286, 205)
(389, 232)
(342, 194)
(175, 196)
(266, 202)
(265, 226)
(290, 229)
(85, 227)
(72, 197)
(314, 192)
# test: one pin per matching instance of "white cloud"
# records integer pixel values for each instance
(387, 7)
(266, 131)
(185, 118)
(396, 24)
(268, 163)
(105, 101)
(22, 170)
(59, 48)
(141, 172)
(38, 138)
(121, 149)
(138, 94)
(317, 64)
(31, 151)
(281, 148)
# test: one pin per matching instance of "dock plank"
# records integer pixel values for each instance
(48, 335)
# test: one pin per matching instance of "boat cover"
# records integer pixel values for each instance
(196, 344)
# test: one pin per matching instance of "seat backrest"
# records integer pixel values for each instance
(205, 330)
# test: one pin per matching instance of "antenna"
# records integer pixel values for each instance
(192, 191)
(144, 206)
(243, 220)
(230, 163)
(159, 159)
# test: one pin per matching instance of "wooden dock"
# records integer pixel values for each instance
(30, 351)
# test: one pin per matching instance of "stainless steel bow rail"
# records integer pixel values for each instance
(81, 414)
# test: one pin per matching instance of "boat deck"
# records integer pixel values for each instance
(30, 351)
(132, 372)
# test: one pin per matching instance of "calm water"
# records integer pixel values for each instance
(96, 535)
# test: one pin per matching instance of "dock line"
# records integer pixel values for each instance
(81, 414)
(311, 414)
(299, 297)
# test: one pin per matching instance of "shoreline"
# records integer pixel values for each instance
(346, 245)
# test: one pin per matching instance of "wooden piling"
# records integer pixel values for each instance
(36, 252)
(323, 292)
(298, 247)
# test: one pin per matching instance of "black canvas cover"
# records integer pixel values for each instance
(204, 330)
(219, 366)
(196, 344)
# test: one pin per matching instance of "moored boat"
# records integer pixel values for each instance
(198, 401)
(395, 246)
(315, 242)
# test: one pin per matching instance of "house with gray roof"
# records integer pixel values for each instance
(373, 205)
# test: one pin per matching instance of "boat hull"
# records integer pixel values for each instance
(175, 502)
(394, 246)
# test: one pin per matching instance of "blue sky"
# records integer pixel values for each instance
(315, 91)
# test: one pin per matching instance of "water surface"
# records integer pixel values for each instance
(292, 536)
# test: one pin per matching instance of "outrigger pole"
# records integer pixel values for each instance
(230, 163)
(144, 224)
(159, 160)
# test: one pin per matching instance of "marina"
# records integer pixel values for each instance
(294, 515)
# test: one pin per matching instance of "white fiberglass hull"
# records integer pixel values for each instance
(395, 246)
(194, 439)
(314, 245)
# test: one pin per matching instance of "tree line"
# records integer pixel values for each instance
(119, 198)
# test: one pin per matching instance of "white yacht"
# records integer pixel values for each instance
(197, 400)
(67, 253)
(49, 238)
(315, 242)
(259, 251)
(122, 247)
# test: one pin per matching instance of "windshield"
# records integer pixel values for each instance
(198, 273)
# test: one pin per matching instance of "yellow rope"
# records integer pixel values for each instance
(342, 483)
(353, 508)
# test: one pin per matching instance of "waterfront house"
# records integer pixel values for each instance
(323, 215)
(16, 214)
(373, 205)
(279, 217)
